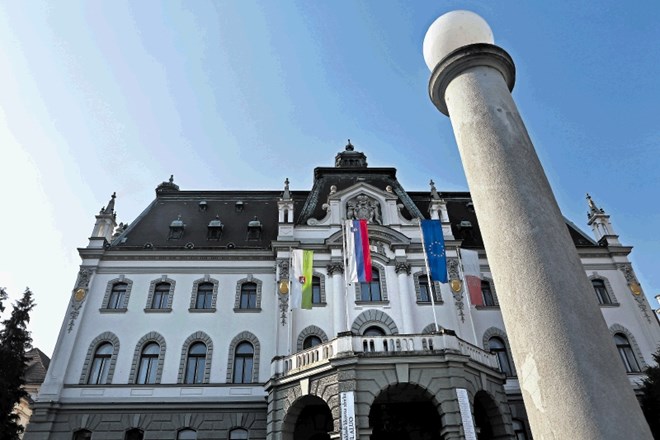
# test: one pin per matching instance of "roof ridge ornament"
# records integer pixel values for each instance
(349, 158)
(593, 209)
(434, 191)
(287, 194)
(168, 186)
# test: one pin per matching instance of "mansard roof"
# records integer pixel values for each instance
(195, 210)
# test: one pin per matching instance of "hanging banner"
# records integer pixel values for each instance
(347, 405)
(466, 414)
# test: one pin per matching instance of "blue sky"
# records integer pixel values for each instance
(99, 97)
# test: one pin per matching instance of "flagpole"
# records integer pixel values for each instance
(290, 330)
(428, 277)
(343, 243)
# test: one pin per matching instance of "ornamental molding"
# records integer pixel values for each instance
(453, 272)
(635, 289)
(364, 207)
(79, 295)
(283, 266)
(284, 308)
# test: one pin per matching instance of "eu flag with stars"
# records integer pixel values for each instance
(434, 248)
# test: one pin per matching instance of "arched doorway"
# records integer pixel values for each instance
(309, 418)
(487, 418)
(404, 412)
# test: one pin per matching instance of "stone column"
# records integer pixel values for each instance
(403, 273)
(336, 271)
(572, 380)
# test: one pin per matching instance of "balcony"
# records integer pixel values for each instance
(391, 345)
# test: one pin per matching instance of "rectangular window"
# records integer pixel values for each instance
(316, 290)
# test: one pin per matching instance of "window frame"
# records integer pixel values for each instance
(100, 362)
(487, 295)
(420, 279)
(248, 298)
(239, 293)
(86, 373)
(198, 360)
(627, 354)
(316, 290)
(152, 365)
(602, 295)
(121, 305)
(164, 307)
(502, 353)
(609, 291)
(196, 337)
(244, 336)
(161, 295)
(240, 360)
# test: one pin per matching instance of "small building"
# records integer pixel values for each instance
(35, 373)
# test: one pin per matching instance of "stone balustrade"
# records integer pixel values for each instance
(400, 345)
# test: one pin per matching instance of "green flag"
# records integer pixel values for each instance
(301, 283)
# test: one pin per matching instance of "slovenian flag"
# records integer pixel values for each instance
(434, 248)
(357, 250)
(301, 283)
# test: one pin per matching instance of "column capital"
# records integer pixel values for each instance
(401, 267)
(335, 268)
(473, 55)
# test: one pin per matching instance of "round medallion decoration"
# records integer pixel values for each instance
(79, 295)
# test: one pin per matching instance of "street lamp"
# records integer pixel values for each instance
(572, 380)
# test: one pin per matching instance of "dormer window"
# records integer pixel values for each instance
(203, 206)
(176, 229)
(215, 228)
(239, 206)
(465, 225)
(254, 229)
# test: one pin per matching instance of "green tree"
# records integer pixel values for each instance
(15, 341)
(651, 395)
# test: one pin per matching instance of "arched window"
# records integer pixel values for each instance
(148, 368)
(626, 353)
(186, 434)
(100, 364)
(316, 290)
(371, 291)
(487, 294)
(134, 434)
(160, 300)
(196, 363)
(601, 291)
(238, 434)
(248, 296)
(243, 363)
(82, 434)
(498, 347)
(374, 331)
(117, 296)
(204, 298)
(311, 341)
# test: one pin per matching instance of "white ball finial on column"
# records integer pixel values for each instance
(451, 31)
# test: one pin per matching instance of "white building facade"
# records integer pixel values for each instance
(179, 325)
